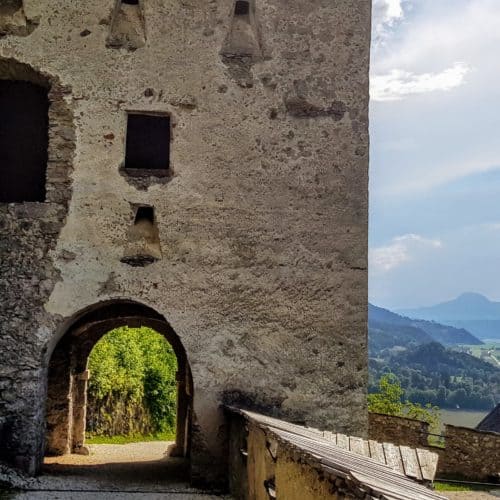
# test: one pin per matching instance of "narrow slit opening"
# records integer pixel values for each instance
(145, 213)
(143, 239)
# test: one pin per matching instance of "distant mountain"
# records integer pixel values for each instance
(388, 330)
(472, 311)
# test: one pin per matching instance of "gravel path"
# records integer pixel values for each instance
(470, 495)
(111, 472)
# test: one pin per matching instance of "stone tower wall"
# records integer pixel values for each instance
(262, 220)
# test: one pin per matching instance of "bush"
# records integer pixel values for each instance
(389, 400)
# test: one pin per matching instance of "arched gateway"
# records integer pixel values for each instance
(67, 373)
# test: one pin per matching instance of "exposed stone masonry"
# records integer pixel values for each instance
(467, 453)
(398, 430)
(29, 233)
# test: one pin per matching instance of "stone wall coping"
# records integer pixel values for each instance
(408, 419)
(472, 431)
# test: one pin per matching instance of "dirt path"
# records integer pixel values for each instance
(129, 472)
(469, 495)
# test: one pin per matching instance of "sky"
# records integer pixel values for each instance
(435, 151)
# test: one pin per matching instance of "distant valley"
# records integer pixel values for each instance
(433, 361)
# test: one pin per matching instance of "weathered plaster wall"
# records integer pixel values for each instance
(298, 480)
(263, 225)
(29, 233)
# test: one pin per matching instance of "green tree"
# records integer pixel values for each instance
(389, 400)
(132, 388)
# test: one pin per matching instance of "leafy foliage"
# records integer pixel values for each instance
(132, 388)
(389, 400)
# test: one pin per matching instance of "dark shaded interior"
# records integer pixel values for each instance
(242, 8)
(9, 7)
(145, 213)
(23, 141)
(131, 2)
(148, 142)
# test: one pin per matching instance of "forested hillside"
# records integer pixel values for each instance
(430, 372)
(387, 321)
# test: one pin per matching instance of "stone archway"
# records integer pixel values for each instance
(67, 380)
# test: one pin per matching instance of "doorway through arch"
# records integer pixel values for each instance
(67, 374)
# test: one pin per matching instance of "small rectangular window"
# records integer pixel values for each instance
(242, 8)
(148, 144)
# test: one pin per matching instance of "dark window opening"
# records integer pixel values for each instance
(9, 7)
(131, 2)
(145, 214)
(24, 141)
(242, 8)
(148, 144)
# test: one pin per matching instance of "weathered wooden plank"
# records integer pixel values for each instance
(393, 457)
(366, 448)
(377, 451)
(397, 492)
(428, 464)
(343, 441)
(330, 436)
(410, 462)
(356, 445)
(371, 474)
(365, 465)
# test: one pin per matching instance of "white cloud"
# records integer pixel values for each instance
(385, 13)
(402, 249)
(450, 65)
(398, 84)
(436, 33)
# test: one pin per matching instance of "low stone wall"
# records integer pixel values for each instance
(270, 458)
(467, 453)
(398, 430)
(471, 454)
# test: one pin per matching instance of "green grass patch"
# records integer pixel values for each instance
(165, 436)
(443, 486)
